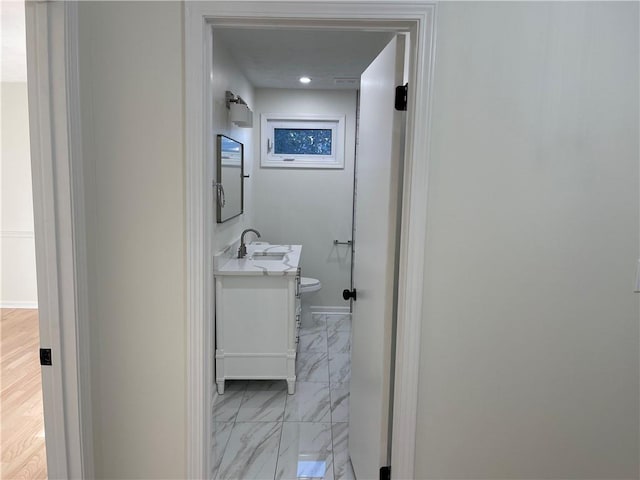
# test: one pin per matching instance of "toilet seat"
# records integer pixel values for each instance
(308, 285)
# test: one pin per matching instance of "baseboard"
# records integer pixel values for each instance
(30, 305)
(16, 234)
(341, 310)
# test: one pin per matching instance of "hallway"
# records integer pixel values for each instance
(23, 447)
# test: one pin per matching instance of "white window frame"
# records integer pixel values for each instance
(270, 121)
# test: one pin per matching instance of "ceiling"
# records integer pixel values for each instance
(269, 58)
(278, 58)
(13, 46)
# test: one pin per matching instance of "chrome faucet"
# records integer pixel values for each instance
(242, 251)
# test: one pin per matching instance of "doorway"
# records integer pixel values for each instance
(23, 435)
(417, 20)
(307, 202)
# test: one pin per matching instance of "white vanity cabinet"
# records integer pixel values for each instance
(258, 318)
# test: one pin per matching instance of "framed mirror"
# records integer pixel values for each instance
(229, 190)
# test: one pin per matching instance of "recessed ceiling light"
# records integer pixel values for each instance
(305, 80)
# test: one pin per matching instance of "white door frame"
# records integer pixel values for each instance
(56, 164)
(416, 17)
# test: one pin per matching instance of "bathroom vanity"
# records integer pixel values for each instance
(258, 314)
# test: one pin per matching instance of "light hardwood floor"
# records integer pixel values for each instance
(22, 434)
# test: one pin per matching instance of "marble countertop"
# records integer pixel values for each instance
(250, 265)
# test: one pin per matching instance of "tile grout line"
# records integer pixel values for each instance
(233, 425)
(284, 411)
(333, 456)
(275, 473)
(224, 450)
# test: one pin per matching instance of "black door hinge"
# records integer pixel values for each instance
(385, 473)
(45, 356)
(401, 97)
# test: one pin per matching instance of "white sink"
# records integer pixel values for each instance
(268, 256)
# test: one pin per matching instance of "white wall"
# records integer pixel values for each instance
(17, 252)
(529, 364)
(227, 76)
(530, 358)
(308, 206)
(132, 91)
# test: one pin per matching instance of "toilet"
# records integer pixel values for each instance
(309, 285)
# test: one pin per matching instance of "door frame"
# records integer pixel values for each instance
(415, 17)
(59, 224)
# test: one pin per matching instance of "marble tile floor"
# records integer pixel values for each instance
(260, 432)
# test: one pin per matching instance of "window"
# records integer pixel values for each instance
(302, 141)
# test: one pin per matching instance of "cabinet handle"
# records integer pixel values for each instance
(219, 194)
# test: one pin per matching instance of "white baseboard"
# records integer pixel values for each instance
(16, 234)
(341, 310)
(31, 305)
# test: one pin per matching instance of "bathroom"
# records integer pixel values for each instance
(307, 205)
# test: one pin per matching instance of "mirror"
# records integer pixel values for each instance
(229, 172)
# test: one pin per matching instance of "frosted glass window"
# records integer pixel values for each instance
(302, 141)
